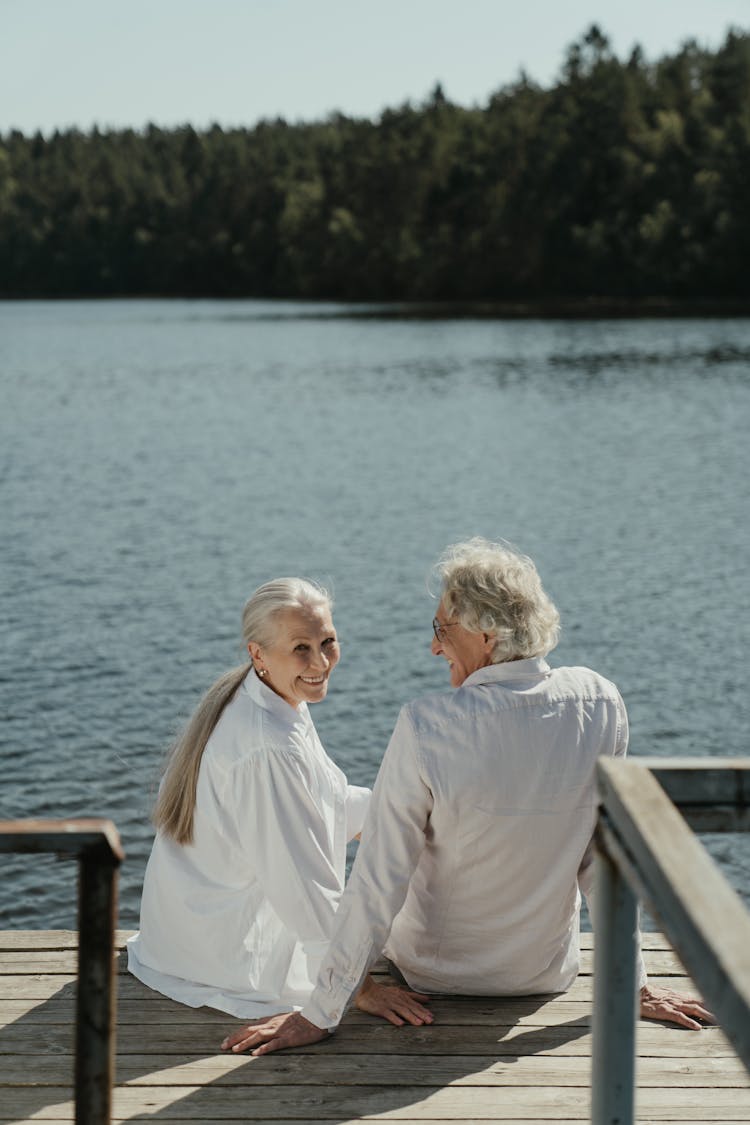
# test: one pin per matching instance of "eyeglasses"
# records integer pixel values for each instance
(439, 628)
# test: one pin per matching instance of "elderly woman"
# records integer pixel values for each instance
(477, 844)
(252, 820)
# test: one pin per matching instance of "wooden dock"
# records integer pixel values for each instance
(484, 1060)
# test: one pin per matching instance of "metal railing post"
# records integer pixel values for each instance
(615, 995)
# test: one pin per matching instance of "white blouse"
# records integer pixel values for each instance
(240, 919)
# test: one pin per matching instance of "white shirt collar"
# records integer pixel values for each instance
(535, 667)
(266, 698)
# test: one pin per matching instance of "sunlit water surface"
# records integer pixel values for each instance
(161, 459)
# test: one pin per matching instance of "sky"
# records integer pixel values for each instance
(125, 63)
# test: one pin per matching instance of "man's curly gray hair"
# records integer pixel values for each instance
(492, 588)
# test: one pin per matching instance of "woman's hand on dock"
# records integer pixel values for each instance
(396, 1004)
(666, 1004)
(266, 1035)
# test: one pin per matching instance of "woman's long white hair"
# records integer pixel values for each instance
(175, 805)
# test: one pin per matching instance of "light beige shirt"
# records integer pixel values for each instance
(477, 843)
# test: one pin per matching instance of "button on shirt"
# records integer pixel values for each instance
(240, 919)
(477, 842)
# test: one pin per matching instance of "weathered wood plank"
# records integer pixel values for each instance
(139, 1119)
(39, 939)
(704, 781)
(65, 962)
(68, 939)
(347, 1070)
(42, 986)
(378, 1038)
(66, 837)
(160, 1010)
(147, 1119)
(39, 986)
(406, 1103)
(51, 939)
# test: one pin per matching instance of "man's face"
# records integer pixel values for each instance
(464, 651)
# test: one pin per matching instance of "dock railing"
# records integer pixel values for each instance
(647, 851)
(96, 846)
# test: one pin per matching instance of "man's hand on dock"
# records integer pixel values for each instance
(392, 1002)
(396, 1004)
(274, 1034)
(666, 1004)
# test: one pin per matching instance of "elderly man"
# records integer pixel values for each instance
(477, 844)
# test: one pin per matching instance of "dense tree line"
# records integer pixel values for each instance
(625, 178)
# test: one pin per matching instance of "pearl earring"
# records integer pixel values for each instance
(262, 673)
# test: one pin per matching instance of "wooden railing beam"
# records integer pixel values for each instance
(713, 795)
(704, 919)
(96, 846)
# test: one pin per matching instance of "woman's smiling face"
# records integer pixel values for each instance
(304, 652)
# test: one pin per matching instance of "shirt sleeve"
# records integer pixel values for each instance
(392, 841)
(357, 802)
(586, 870)
(283, 826)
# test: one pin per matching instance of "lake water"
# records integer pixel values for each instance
(160, 459)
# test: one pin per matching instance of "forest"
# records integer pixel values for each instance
(625, 179)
